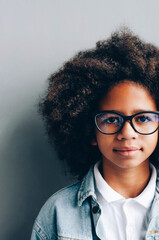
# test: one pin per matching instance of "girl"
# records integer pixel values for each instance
(101, 112)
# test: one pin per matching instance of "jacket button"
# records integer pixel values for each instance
(95, 209)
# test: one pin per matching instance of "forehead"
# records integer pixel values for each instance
(128, 97)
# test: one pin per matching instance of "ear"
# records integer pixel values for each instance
(94, 142)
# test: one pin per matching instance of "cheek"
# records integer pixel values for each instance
(156, 139)
(104, 142)
(150, 141)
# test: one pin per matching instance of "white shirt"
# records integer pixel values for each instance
(123, 219)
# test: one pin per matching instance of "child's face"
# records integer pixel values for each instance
(126, 98)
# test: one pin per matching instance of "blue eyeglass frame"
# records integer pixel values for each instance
(125, 118)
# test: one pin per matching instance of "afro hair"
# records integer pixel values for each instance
(75, 90)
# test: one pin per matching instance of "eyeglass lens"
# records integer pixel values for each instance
(144, 123)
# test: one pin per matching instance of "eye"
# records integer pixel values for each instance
(111, 120)
(108, 119)
(143, 119)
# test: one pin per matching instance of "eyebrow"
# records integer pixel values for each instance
(134, 111)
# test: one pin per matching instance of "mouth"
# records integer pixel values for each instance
(127, 151)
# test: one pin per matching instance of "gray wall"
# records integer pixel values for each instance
(36, 37)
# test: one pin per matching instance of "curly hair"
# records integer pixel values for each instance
(75, 90)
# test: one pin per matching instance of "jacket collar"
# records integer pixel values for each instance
(87, 187)
(155, 204)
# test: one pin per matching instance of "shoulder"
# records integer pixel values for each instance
(62, 198)
(57, 206)
(66, 214)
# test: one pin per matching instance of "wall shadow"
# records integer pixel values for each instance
(30, 173)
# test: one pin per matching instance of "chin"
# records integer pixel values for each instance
(130, 164)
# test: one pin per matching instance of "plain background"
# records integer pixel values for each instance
(36, 37)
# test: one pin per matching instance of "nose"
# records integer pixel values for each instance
(127, 132)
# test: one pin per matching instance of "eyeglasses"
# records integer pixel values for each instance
(111, 122)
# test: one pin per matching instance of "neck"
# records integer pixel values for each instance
(129, 182)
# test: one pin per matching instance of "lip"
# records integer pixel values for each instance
(126, 151)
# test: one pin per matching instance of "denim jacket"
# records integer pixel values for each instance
(73, 213)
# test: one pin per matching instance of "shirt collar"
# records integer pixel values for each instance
(105, 190)
(145, 198)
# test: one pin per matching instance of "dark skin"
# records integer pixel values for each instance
(125, 155)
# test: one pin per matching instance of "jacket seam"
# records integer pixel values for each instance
(36, 228)
(69, 237)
